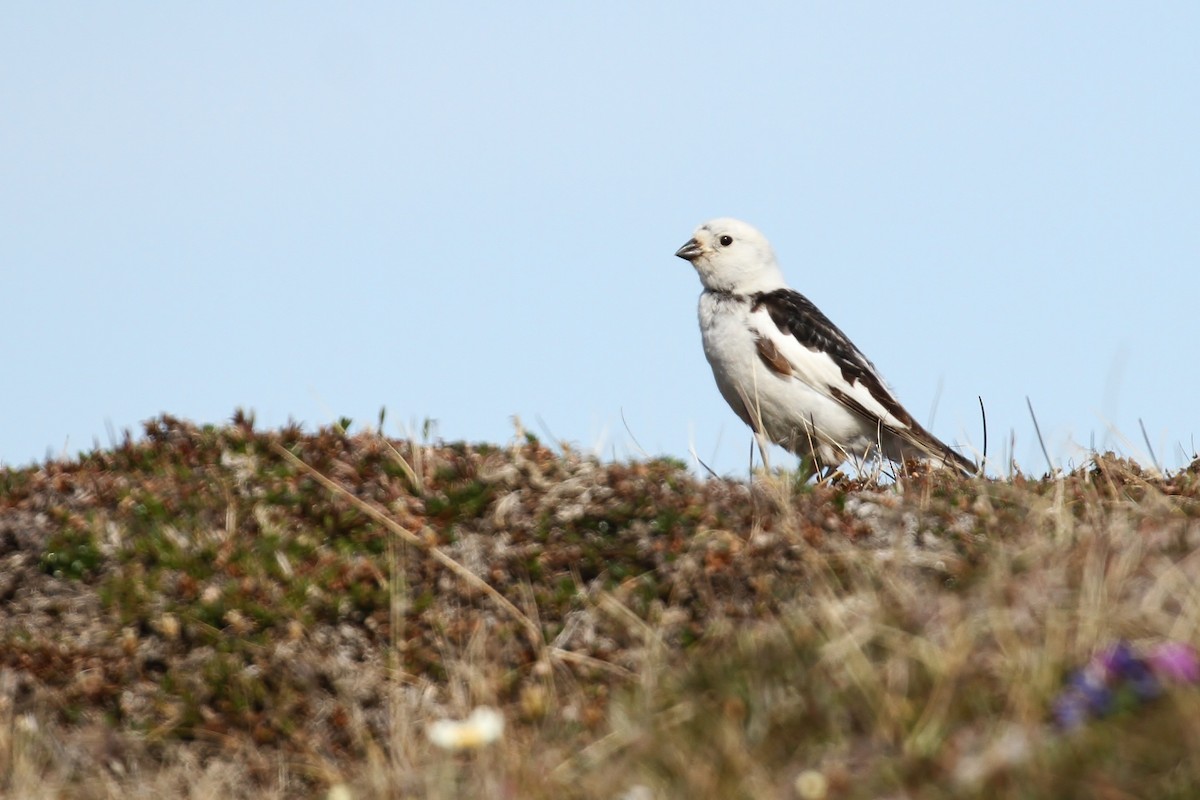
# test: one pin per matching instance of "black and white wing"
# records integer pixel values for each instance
(795, 339)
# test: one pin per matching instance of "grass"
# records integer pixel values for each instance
(229, 612)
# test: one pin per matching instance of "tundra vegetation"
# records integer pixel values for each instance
(223, 611)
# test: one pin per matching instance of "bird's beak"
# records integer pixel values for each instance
(690, 251)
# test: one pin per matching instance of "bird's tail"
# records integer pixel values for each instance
(920, 443)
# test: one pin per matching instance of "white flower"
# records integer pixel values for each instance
(484, 726)
(811, 785)
(638, 792)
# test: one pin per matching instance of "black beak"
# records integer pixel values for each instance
(690, 251)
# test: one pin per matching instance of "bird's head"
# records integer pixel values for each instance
(731, 256)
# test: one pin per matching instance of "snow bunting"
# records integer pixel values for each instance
(786, 370)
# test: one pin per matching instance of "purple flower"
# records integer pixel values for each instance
(1143, 682)
(1124, 671)
(1092, 690)
(1175, 661)
(1117, 661)
(1071, 709)
(1116, 679)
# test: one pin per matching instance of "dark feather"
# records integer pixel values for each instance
(770, 355)
(795, 315)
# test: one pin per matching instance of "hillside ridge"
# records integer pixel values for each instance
(220, 611)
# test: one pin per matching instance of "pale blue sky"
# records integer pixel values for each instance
(468, 211)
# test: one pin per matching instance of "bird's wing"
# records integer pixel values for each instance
(795, 339)
(794, 332)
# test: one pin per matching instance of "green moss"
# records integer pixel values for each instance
(72, 554)
(460, 502)
(565, 591)
(367, 597)
(13, 482)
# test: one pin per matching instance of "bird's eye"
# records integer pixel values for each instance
(726, 240)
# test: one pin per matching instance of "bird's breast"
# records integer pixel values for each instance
(725, 328)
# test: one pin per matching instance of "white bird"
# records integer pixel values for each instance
(786, 370)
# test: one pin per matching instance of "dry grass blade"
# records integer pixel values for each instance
(588, 661)
(603, 749)
(1038, 430)
(983, 418)
(414, 476)
(1149, 447)
(381, 516)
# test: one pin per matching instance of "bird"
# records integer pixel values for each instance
(787, 371)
